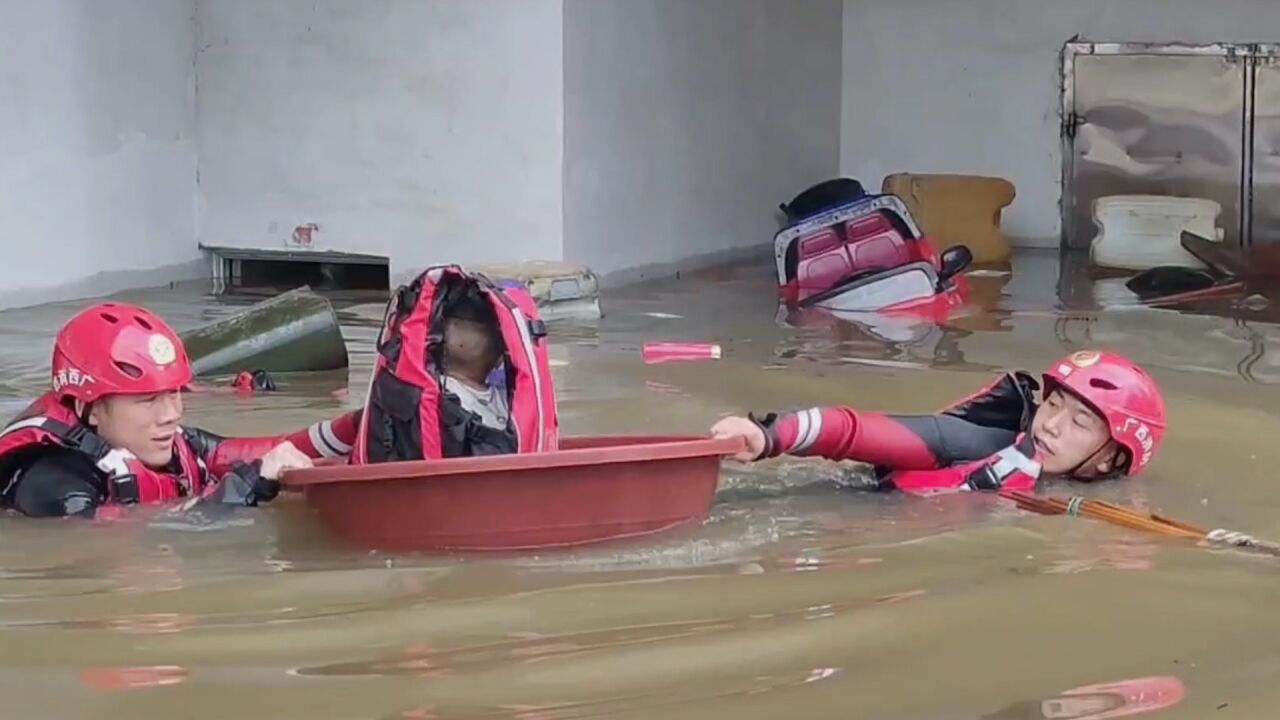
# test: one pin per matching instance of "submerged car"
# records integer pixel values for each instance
(862, 257)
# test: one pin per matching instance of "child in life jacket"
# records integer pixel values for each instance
(472, 350)
(1100, 416)
(462, 370)
(108, 431)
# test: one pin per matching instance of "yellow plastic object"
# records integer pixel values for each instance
(958, 210)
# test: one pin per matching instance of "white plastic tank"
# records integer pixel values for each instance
(1137, 232)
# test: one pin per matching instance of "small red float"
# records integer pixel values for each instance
(592, 489)
(659, 352)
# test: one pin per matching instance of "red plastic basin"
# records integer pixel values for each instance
(593, 489)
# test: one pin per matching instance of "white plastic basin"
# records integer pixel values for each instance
(1137, 232)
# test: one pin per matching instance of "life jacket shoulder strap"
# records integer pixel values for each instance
(75, 437)
(1000, 468)
(122, 485)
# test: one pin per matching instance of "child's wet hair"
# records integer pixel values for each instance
(472, 307)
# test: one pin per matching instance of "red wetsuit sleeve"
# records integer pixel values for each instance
(325, 439)
(328, 438)
(230, 452)
(842, 433)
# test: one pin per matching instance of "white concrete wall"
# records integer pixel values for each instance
(973, 87)
(427, 130)
(97, 149)
(686, 123)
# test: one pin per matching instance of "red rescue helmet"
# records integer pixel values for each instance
(1122, 393)
(115, 348)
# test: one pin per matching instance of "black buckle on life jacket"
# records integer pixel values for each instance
(124, 489)
(537, 329)
(984, 479)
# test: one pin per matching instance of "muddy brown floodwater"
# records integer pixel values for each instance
(799, 597)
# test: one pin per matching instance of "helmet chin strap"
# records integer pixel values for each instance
(81, 410)
(1093, 457)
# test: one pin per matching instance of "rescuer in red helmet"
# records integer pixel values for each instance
(1100, 416)
(108, 431)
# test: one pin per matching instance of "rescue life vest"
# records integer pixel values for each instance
(410, 415)
(1006, 403)
(1016, 467)
(127, 480)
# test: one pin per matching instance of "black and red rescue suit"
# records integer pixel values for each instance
(980, 443)
(52, 464)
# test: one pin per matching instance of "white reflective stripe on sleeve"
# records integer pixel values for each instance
(809, 427)
(802, 430)
(331, 439)
(317, 440)
(325, 442)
